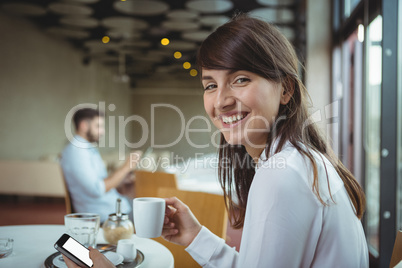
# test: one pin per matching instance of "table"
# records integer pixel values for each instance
(198, 174)
(34, 243)
(198, 185)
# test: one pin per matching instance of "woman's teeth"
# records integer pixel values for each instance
(232, 119)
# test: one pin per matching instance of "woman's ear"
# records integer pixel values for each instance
(287, 92)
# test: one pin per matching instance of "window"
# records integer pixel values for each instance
(372, 132)
(349, 6)
(381, 112)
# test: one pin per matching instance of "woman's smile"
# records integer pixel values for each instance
(232, 119)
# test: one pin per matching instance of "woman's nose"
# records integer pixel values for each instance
(224, 98)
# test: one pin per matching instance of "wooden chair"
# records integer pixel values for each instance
(147, 183)
(210, 211)
(397, 251)
(67, 196)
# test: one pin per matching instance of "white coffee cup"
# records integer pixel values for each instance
(149, 215)
(127, 249)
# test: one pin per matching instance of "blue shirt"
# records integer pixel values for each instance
(84, 171)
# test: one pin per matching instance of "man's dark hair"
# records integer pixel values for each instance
(84, 114)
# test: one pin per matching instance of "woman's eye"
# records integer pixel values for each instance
(211, 86)
(241, 80)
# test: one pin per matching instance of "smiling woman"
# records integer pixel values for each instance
(251, 67)
(310, 206)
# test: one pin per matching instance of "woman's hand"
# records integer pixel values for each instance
(99, 260)
(180, 227)
(70, 263)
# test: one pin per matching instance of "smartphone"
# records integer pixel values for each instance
(74, 250)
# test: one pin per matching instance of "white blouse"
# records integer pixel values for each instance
(286, 225)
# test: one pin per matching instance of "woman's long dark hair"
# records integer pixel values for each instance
(253, 45)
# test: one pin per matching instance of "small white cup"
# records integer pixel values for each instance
(127, 249)
(149, 215)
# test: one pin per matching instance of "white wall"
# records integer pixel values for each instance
(41, 79)
(318, 61)
(171, 113)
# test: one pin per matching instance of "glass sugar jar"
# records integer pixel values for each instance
(117, 226)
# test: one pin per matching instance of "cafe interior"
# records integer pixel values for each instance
(135, 60)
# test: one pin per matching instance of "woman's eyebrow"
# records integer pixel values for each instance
(207, 77)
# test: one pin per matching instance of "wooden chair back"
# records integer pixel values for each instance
(147, 183)
(67, 196)
(210, 211)
(397, 251)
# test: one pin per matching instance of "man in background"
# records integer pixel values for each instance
(91, 188)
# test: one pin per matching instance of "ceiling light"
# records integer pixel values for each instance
(186, 65)
(193, 72)
(177, 55)
(105, 39)
(165, 41)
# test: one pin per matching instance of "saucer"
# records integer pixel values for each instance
(53, 260)
(114, 257)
